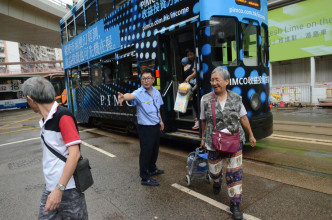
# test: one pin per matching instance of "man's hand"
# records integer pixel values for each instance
(120, 98)
(162, 126)
(53, 200)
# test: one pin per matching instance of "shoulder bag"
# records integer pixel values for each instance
(221, 141)
(82, 175)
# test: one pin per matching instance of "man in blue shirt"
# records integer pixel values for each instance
(148, 101)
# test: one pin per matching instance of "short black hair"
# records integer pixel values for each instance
(148, 70)
(189, 50)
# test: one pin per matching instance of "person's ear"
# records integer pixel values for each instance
(29, 98)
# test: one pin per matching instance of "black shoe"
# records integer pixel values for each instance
(150, 182)
(216, 188)
(235, 209)
(156, 172)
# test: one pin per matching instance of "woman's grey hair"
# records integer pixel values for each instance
(222, 72)
(39, 89)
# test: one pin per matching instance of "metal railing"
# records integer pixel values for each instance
(32, 71)
(59, 2)
(290, 94)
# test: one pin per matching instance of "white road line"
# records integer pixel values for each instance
(31, 139)
(210, 201)
(97, 149)
(20, 141)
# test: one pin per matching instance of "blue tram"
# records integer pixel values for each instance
(111, 41)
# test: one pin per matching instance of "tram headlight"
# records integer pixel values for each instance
(255, 102)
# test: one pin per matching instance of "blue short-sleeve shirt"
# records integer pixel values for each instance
(148, 107)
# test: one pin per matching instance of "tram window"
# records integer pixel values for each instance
(249, 44)
(91, 15)
(96, 76)
(109, 72)
(58, 83)
(124, 70)
(119, 3)
(63, 33)
(85, 78)
(105, 7)
(80, 26)
(75, 80)
(146, 64)
(223, 41)
(71, 29)
(265, 46)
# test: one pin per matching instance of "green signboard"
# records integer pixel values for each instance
(301, 30)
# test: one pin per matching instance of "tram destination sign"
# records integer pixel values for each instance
(250, 3)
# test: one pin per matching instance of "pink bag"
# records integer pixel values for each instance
(223, 142)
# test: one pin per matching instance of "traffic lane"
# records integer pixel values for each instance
(117, 180)
(22, 182)
(304, 130)
(301, 155)
(308, 114)
(124, 189)
(117, 192)
(14, 123)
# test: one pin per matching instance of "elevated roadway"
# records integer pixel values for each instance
(31, 21)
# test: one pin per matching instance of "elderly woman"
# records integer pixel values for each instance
(230, 115)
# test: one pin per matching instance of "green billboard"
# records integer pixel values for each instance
(301, 30)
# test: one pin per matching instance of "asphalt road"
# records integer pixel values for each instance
(271, 191)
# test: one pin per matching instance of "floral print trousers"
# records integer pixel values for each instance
(234, 172)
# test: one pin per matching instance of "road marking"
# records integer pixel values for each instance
(301, 139)
(210, 201)
(7, 117)
(98, 149)
(15, 122)
(20, 141)
(9, 132)
(15, 142)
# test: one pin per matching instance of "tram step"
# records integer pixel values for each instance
(183, 134)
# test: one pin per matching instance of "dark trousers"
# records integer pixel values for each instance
(72, 206)
(149, 143)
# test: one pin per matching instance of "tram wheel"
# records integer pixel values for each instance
(208, 178)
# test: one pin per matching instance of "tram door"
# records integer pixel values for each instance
(172, 48)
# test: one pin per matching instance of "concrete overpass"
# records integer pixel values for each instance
(31, 21)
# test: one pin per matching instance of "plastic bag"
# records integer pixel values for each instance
(182, 100)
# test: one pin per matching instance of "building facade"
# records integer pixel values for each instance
(20, 52)
(300, 51)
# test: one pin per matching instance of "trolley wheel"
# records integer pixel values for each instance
(188, 180)
(208, 178)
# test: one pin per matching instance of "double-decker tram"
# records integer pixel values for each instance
(11, 94)
(110, 42)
